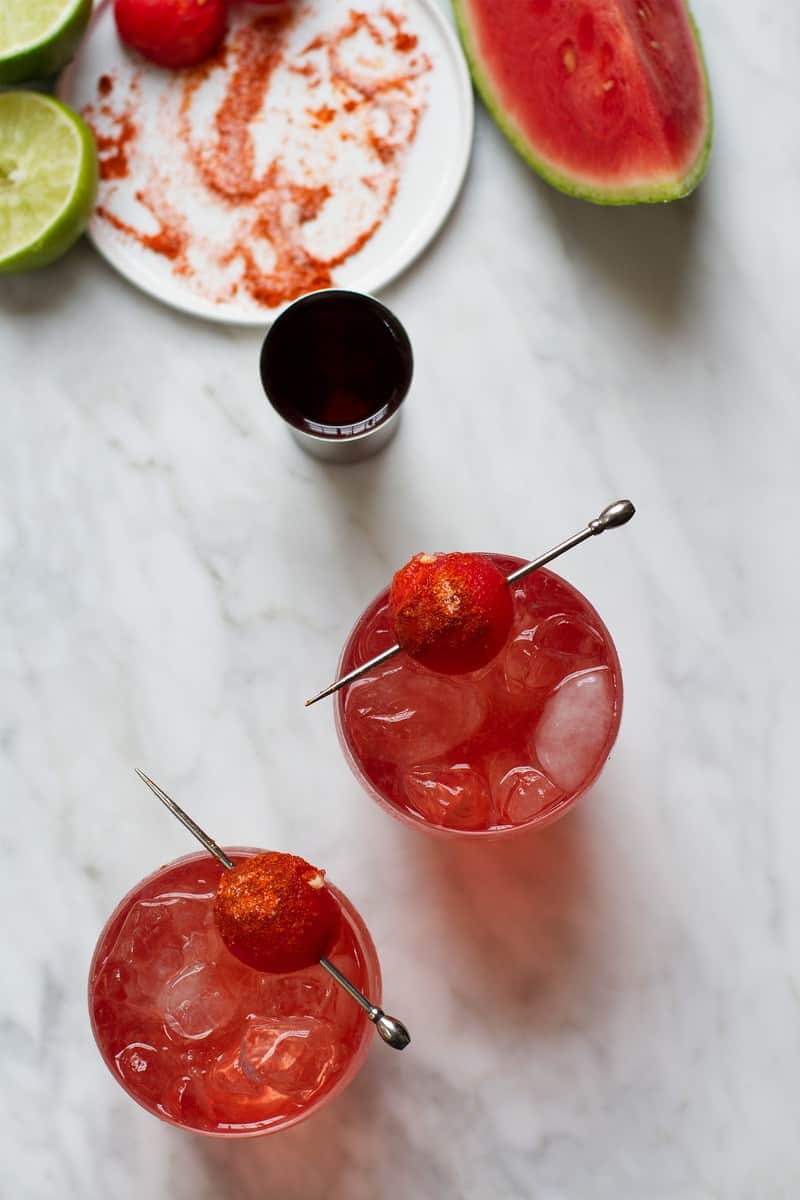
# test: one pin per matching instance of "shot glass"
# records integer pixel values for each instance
(336, 366)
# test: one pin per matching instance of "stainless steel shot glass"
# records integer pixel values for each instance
(336, 366)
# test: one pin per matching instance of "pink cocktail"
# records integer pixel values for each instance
(506, 748)
(207, 1043)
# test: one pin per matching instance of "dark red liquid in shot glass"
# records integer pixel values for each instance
(336, 364)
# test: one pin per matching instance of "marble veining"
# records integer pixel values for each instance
(609, 1010)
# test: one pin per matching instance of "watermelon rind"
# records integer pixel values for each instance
(574, 185)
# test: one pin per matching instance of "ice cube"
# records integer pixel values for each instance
(225, 1081)
(196, 1004)
(162, 935)
(540, 657)
(455, 797)
(145, 941)
(574, 727)
(406, 715)
(140, 1065)
(146, 955)
(293, 995)
(522, 792)
(374, 637)
(292, 1055)
(199, 947)
(202, 945)
(187, 913)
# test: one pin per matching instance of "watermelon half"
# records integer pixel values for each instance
(607, 99)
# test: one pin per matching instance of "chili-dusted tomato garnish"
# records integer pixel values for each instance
(276, 913)
(451, 612)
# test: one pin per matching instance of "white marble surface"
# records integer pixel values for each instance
(607, 1011)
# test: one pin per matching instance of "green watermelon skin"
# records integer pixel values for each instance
(662, 127)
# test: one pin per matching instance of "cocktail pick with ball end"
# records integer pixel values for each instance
(392, 1031)
(421, 579)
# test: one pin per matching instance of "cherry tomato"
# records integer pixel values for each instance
(172, 33)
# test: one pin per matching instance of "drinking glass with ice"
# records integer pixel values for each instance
(480, 695)
(204, 1041)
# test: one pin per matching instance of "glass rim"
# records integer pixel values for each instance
(383, 414)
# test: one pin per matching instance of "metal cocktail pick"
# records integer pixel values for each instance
(392, 1031)
(618, 513)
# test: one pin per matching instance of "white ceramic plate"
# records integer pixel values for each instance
(429, 172)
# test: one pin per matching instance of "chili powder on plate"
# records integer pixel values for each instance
(259, 172)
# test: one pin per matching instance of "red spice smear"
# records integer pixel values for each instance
(274, 912)
(323, 115)
(114, 149)
(171, 240)
(370, 87)
(274, 207)
(405, 42)
(283, 207)
(227, 166)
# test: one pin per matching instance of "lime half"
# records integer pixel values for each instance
(48, 178)
(37, 37)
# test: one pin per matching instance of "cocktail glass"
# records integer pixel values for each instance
(206, 1043)
(501, 750)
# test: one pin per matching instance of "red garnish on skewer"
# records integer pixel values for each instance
(275, 913)
(451, 612)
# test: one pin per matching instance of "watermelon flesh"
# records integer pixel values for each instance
(607, 99)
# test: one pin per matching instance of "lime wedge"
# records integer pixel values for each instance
(48, 178)
(37, 37)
